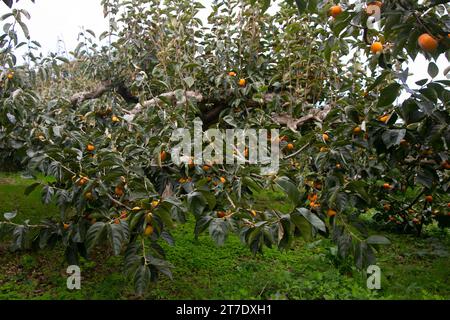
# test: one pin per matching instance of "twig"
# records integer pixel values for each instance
(297, 152)
(118, 202)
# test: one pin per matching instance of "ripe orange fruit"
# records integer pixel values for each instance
(66, 226)
(191, 163)
(116, 221)
(448, 205)
(242, 82)
(325, 137)
(114, 119)
(387, 186)
(357, 130)
(90, 147)
(221, 214)
(82, 181)
(148, 230)
(331, 213)
(338, 166)
(429, 199)
(335, 11)
(118, 191)
(163, 155)
(384, 118)
(246, 152)
(370, 7)
(312, 197)
(232, 74)
(223, 180)
(314, 205)
(376, 47)
(290, 146)
(445, 164)
(427, 42)
(206, 167)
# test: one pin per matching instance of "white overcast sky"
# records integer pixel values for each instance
(53, 20)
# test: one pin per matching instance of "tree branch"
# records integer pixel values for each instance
(80, 97)
(292, 123)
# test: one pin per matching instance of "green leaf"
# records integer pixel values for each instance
(421, 82)
(312, 218)
(433, 69)
(136, 219)
(352, 114)
(196, 203)
(19, 237)
(410, 112)
(163, 212)
(218, 229)
(301, 5)
(210, 198)
(378, 80)
(118, 235)
(302, 224)
(31, 188)
(189, 81)
(142, 278)
(389, 94)
(47, 194)
(25, 30)
(393, 137)
(10, 215)
(162, 266)
(289, 188)
(201, 225)
(95, 234)
(376, 239)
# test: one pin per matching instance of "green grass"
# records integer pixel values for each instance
(412, 268)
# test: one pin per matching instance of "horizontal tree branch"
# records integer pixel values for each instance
(208, 116)
(193, 95)
(292, 123)
(80, 97)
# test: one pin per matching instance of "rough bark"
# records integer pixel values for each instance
(80, 97)
(292, 123)
(215, 106)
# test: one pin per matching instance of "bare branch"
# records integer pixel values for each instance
(168, 95)
(80, 97)
(314, 114)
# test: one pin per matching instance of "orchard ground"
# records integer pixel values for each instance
(412, 267)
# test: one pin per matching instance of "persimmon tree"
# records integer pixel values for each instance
(100, 125)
